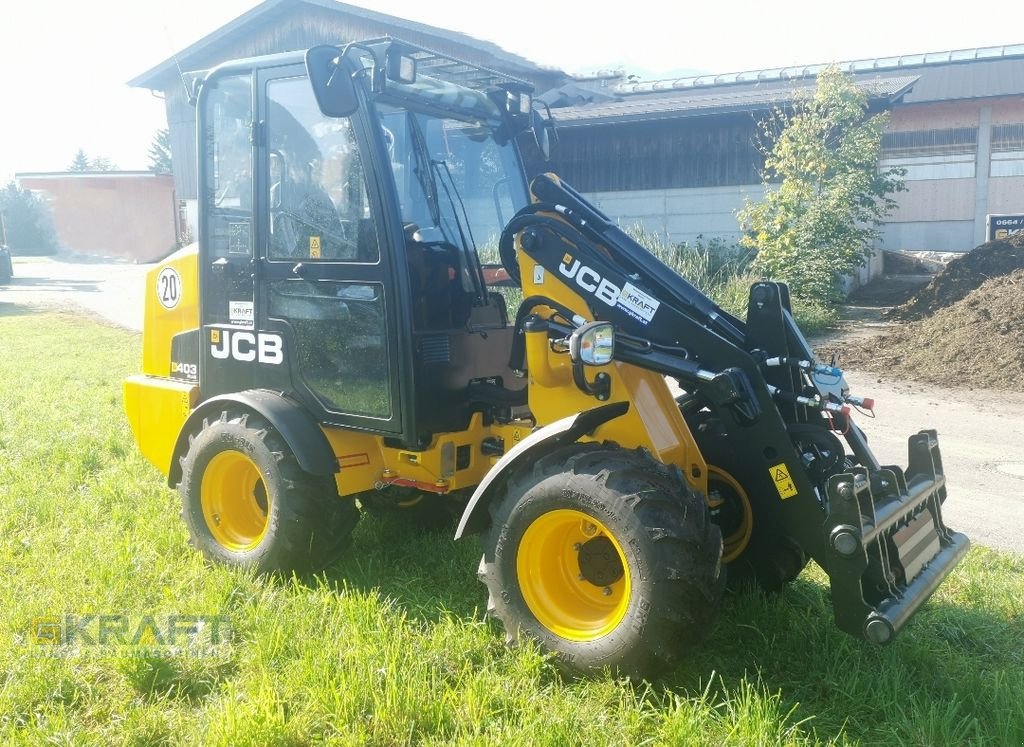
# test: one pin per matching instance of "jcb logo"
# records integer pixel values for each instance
(638, 304)
(588, 279)
(245, 346)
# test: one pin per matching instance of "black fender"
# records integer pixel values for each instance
(297, 427)
(560, 433)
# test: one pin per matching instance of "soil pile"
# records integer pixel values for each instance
(962, 275)
(976, 342)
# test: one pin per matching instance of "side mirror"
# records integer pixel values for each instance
(331, 78)
(592, 344)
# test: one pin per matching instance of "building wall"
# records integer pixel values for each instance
(130, 215)
(963, 160)
(684, 153)
(953, 186)
(1006, 176)
(680, 214)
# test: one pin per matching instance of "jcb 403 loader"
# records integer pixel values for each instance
(334, 341)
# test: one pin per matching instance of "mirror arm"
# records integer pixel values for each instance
(549, 122)
(601, 388)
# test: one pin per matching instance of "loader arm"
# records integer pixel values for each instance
(877, 531)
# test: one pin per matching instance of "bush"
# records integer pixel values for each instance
(725, 272)
(28, 222)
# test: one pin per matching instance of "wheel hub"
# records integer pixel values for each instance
(599, 562)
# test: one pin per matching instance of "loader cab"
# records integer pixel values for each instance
(340, 255)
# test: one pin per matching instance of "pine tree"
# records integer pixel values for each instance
(102, 163)
(80, 161)
(160, 153)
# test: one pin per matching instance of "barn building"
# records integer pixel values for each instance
(679, 156)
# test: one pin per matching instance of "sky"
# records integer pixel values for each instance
(64, 65)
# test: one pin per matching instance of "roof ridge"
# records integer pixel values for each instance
(143, 80)
(792, 72)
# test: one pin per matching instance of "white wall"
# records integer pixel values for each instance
(680, 214)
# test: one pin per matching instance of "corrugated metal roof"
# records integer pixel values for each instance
(871, 65)
(721, 100)
(974, 81)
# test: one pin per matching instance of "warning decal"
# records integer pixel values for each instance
(783, 482)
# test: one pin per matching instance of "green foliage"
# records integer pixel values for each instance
(80, 162)
(825, 194)
(160, 152)
(725, 272)
(27, 220)
(102, 163)
(706, 263)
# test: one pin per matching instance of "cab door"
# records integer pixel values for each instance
(227, 235)
(325, 279)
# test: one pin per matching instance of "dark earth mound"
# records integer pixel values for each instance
(961, 276)
(976, 342)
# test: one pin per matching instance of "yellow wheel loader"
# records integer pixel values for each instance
(336, 339)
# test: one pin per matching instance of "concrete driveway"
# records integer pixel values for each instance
(109, 289)
(981, 432)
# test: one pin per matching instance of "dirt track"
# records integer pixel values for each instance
(980, 434)
(981, 431)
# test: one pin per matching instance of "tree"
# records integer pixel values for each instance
(825, 195)
(160, 153)
(28, 221)
(80, 162)
(102, 163)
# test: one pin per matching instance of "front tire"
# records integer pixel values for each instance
(246, 502)
(606, 558)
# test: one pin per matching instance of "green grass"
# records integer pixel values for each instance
(723, 272)
(390, 645)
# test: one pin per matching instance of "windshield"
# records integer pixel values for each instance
(455, 182)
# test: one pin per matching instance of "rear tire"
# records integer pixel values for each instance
(606, 558)
(246, 502)
(755, 556)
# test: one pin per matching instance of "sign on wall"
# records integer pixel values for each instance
(1001, 226)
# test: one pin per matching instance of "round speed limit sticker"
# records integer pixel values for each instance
(168, 287)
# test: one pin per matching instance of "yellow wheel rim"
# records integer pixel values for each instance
(573, 575)
(737, 540)
(235, 501)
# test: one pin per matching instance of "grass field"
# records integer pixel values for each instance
(390, 645)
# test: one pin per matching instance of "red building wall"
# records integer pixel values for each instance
(123, 214)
